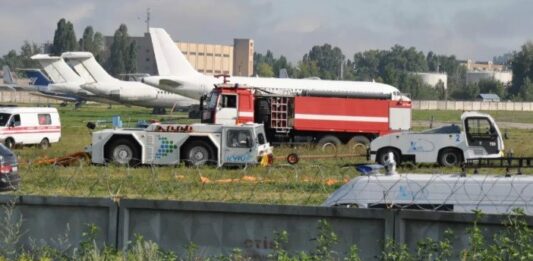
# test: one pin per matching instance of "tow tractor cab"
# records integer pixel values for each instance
(480, 137)
(170, 144)
(29, 125)
(326, 118)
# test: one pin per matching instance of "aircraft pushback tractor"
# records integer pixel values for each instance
(177, 75)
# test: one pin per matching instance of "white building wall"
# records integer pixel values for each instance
(434, 78)
(504, 77)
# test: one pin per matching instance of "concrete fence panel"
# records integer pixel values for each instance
(219, 228)
(11, 97)
(52, 220)
(413, 226)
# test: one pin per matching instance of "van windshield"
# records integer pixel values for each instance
(4, 117)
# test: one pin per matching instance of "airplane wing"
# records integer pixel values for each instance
(6, 87)
(55, 96)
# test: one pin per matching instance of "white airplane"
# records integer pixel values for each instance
(99, 82)
(177, 75)
(65, 80)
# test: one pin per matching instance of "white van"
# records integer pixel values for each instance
(29, 125)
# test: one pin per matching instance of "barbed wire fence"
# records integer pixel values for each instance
(279, 183)
(308, 183)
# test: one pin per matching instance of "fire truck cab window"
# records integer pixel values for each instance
(212, 100)
(228, 101)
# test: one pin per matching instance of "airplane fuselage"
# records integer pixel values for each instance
(139, 94)
(195, 86)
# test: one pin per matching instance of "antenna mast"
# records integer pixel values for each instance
(147, 20)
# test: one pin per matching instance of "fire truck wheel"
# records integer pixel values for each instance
(450, 158)
(383, 155)
(197, 153)
(124, 152)
(329, 141)
(359, 142)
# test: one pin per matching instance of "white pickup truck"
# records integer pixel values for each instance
(170, 144)
(448, 145)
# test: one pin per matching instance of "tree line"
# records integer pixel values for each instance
(121, 59)
(398, 65)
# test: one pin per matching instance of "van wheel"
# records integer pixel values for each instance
(10, 143)
(450, 158)
(383, 155)
(124, 152)
(198, 153)
(45, 144)
(329, 142)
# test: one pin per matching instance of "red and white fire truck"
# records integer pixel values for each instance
(318, 117)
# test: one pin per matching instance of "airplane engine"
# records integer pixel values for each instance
(134, 94)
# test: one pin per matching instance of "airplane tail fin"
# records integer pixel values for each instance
(8, 75)
(37, 77)
(169, 59)
(57, 68)
(87, 67)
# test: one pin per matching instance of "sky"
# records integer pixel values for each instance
(468, 29)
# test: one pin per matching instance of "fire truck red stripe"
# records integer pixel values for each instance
(326, 117)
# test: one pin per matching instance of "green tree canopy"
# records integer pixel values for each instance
(64, 38)
(123, 53)
(327, 58)
(26, 52)
(491, 86)
(522, 66)
(265, 70)
(92, 42)
(275, 64)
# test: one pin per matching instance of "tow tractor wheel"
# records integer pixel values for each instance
(383, 155)
(198, 153)
(124, 152)
(450, 158)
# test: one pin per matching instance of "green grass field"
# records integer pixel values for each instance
(309, 182)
